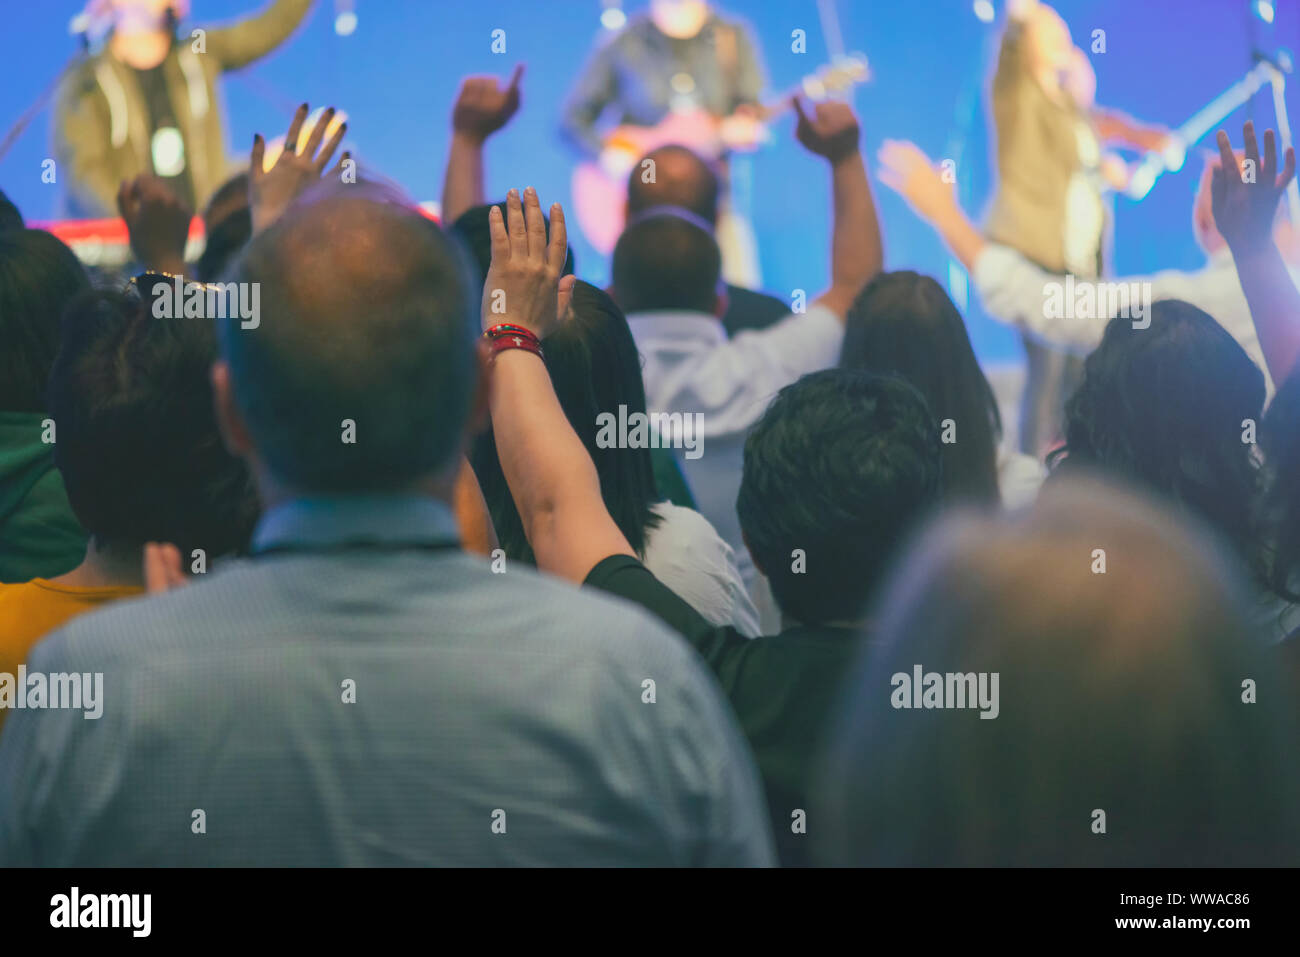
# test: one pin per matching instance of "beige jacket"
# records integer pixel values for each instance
(101, 134)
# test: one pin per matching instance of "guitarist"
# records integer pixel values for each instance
(682, 56)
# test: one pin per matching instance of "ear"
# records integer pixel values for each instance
(720, 301)
(234, 433)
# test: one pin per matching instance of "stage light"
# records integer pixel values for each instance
(1264, 10)
(345, 24)
(984, 11)
(613, 18)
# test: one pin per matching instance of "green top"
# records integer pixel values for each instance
(39, 535)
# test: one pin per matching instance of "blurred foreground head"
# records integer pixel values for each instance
(1120, 691)
(367, 319)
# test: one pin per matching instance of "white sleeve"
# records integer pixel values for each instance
(761, 362)
(1015, 291)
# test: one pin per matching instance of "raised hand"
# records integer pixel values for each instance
(157, 222)
(911, 174)
(162, 567)
(1244, 211)
(831, 131)
(483, 106)
(524, 277)
(270, 192)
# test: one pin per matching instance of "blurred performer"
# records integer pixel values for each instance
(147, 101)
(1048, 204)
(683, 73)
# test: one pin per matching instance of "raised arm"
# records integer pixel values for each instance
(857, 252)
(911, 174)
(251, 39)
(1245, 206)
(482, 107)
(157, 222)
(271, 192)
(550, 474)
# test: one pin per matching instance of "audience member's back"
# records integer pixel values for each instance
(39, 275)
(359, 691)
(1133, 721)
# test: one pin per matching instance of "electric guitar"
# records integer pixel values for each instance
(600, 194)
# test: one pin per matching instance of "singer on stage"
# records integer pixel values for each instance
(147, 101)
(1052, 175)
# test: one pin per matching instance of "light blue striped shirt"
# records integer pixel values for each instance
(499, 719)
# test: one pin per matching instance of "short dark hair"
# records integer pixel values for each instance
(39, 275)
(471, 228)
(1164, 406)
(904, 323)
(138, 446)
(665, 261)
(682, 178)
(841, 466)
(10, 217)
(224, 241)
(376, 326)
(595, 367)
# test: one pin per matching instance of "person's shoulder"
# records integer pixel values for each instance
(685, 528)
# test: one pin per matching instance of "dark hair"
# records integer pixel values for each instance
(904, 323)
(1120, 691)
(230, 195)
(665, 261)
(383, 340)
(471, 228)
(138, 446)
(681, 178)
(224, 241)
(1280, 513)
(595, 368)
(841, 467)
(10, 217)
(1165, 406)
(39, 275)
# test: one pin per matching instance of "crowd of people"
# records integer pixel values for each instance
(368, 582)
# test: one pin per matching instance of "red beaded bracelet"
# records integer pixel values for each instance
(503, 342)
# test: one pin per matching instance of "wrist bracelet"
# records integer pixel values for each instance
(503, 342)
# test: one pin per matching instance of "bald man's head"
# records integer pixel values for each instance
(361, 371)
(681, 178)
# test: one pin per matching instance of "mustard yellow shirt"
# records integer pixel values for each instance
(31, 610)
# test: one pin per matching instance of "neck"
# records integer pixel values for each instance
(106, 567)
(141, 50)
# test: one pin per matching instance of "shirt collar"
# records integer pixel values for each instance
(338, 520)
(698, 327)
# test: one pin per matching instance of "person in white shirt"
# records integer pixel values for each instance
(666, 277)
(1015, 291)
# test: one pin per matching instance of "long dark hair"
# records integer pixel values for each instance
(1280, 514)
(595, 368)
(1169, 406)
(904, 323)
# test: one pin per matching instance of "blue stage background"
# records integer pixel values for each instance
(397, 73)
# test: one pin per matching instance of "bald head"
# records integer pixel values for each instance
(366, 318)
(681, 179)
